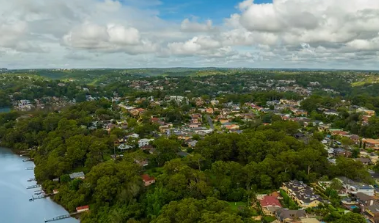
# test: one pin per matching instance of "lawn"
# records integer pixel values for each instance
(236, 205)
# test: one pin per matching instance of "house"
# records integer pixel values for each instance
(78, 175)
(148, 148)
(55, 191)
(364, 199)
(209, 110)
(364, 160)
(371, 143)
(270, 204)
(82, 209)
(148, 180)
(134, 135)
(372, 213)
(284, 215)
(366, 111)
(192, 143)
(353, 187)
(309, 220)
(302, 194)
(141, 163)
(144, 142)
(124, 147)
(232, 127)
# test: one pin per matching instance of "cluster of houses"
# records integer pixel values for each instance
(300, 193)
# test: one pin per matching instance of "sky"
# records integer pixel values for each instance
(338, 34)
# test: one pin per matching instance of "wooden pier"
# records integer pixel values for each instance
(33, 186)
(40, 196)
(61, 217)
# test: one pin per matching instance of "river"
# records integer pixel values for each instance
(15, 206)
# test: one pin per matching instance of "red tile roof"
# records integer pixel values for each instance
(146, 178)
(270, 201)
(82, 208)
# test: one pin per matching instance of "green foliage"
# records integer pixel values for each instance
(191, 210)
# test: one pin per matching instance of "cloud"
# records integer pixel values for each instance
(193, 26)
(327, 33)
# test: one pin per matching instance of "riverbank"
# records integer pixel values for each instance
(13, 183)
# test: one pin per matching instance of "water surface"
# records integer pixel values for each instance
(14, 197)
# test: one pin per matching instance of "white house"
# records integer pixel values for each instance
(144, 142)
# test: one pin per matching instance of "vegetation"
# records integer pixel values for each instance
(222, 169)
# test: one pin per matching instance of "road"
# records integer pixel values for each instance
(210, 121)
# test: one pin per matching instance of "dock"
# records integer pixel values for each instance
(28, 160)
(29, 168)
(40, 196)
(61, 217)
(33, 186)
(32, 179)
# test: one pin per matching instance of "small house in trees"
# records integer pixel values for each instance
(148, 180)
(82, 209)
(78, 175)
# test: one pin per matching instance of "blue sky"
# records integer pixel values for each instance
(189, 33)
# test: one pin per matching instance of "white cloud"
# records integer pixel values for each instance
(193, 26)
(69, 32)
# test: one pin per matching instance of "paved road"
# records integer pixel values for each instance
(210, 121)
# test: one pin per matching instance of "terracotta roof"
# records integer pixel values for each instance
(82, 208)
(146, 178)
(269, 201)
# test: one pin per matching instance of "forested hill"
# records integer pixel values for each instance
(223, 168)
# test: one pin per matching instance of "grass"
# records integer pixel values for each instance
(236, 205)
(369, 80)
(269, 218)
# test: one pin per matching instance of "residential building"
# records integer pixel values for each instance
(144, 142)
(78, 175)
(270, 204)
(364, 200)
(372, 213)
(148, 180)
(284, 215)
(82, 209)
(353, 187)
(302, 194)
(371, 143)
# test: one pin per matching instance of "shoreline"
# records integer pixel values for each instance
(26, 154)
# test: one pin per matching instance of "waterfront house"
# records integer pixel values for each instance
(82, 209)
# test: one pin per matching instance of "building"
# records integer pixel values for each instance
(141, 162)
(371, 143)
(302, 194)
(78, 175)
(144, 142)
(285, 215)
(372, 213)
(82, 209)
(270, 204)
(148, 180)
(365, 200)
(353, 187)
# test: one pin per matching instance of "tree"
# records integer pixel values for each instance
(351, 218)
